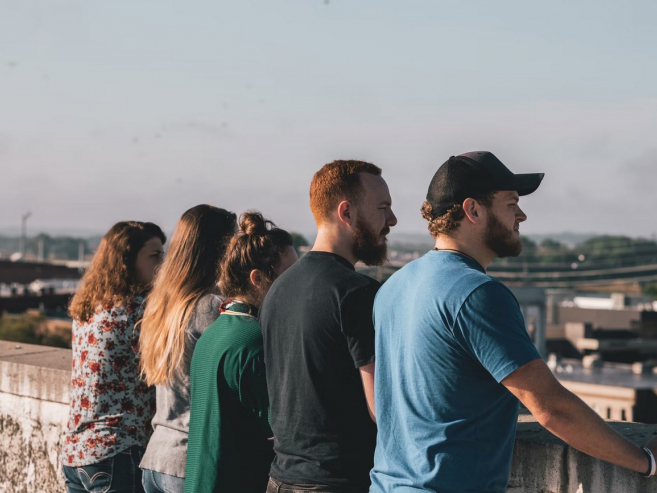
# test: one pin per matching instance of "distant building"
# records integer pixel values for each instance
(27, 272)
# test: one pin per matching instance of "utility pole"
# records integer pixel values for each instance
(41, 249)
(81, 257)
(23, 242)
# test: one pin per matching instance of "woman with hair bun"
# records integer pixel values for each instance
(184, 301)
(111, 406)
(229, 436)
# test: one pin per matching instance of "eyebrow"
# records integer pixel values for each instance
(385, 202)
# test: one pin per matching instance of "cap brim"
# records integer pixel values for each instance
(527, 183)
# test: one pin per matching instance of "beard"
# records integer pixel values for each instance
(366, 244)
(500, 239)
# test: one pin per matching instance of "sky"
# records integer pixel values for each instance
(141, 109)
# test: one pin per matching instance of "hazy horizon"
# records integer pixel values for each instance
(123, 110)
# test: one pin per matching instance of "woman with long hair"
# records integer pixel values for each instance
(184, 301)
(229, 448)
(111, 407)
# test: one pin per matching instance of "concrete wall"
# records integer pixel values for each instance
(544, 464)
(34, 388)
(34, 395)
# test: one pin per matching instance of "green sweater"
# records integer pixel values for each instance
(228, 449)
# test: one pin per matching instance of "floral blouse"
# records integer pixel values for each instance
(111, 407)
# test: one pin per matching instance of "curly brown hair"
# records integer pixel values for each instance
(259, 245)
(450, 220)
(337, 181)
(111, 277)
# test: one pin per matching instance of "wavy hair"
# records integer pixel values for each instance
(190, 269)
(111, 278)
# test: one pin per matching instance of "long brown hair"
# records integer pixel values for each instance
(259, 245)
(190, 269)
(111, 277)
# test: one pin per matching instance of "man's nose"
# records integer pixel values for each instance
(520, 215)
(391, 220)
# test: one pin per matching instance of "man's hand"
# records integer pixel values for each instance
(565, 415)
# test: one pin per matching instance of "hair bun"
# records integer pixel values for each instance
(252, 223)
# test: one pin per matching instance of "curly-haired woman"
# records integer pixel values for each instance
(111, 407)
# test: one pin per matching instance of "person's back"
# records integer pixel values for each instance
(229, 435)
(228, 447)
(444, 419)
(319, 338)
(171, 420)
(310, 321)
(184, 302)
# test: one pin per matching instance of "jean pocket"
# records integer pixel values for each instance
(97, 478)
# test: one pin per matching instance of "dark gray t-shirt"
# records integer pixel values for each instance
(167, 448)
(317, 329)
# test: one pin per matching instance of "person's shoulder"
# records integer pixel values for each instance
(491, 290)
(205, 312)
(233, 331)
(210, 301)
(130, 307)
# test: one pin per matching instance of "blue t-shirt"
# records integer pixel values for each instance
(447, 334)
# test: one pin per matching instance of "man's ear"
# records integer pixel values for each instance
(346, 212)
(473, 211)
(256, 278)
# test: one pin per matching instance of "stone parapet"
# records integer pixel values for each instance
(544, 464)
(34, 396)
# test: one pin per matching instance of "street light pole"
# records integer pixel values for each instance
(23, 243)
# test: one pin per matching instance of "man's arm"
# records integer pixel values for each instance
(568, 417)
(367, 376)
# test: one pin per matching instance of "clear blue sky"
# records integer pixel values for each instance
(140, 109)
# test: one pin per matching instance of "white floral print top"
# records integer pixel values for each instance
(111, 407)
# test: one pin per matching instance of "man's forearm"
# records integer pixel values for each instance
(581, 428)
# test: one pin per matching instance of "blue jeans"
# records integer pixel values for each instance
(158, 482)
(118, 474)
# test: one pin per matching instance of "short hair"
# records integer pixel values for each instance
(450, 220)
(335, 182)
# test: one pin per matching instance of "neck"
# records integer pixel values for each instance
(475, 249)
(249, 300)
(331, 241)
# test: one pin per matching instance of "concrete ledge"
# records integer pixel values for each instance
(34, 399)
(35, 385)
(33, 371)
(542, 463)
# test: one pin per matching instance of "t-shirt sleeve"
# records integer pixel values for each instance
(358, 325)
(491, 328)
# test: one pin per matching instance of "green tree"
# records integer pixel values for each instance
(298, 240)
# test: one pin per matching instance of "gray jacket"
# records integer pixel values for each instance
(167, 450)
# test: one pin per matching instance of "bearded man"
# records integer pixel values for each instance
(453, 354)
(319, 338)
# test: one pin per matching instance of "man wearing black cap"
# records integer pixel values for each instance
(453, 354)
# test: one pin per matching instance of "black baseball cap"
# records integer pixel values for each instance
(474, 174)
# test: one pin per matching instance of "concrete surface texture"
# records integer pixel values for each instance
(34, 391)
